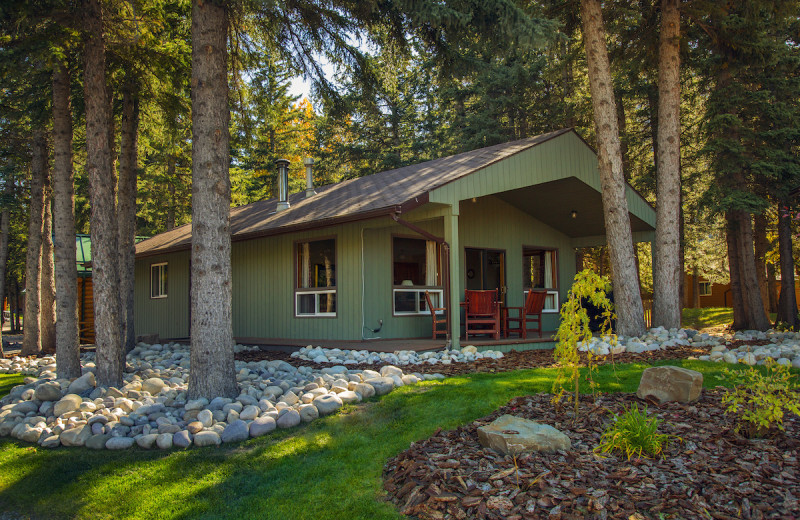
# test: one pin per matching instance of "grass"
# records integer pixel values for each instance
(710, 317)
(330, 468)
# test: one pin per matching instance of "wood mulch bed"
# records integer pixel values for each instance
(514, 360)
(710, 473)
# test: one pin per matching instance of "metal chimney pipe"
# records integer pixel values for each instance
(283, 184)
(310, 191)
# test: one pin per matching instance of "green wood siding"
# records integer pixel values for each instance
(565, 156)
(169, 317)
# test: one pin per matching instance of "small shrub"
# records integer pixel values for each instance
(634, 434)
(574, 329)
(761, 399)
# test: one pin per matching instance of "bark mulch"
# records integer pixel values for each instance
(514, 360)
(710, 473)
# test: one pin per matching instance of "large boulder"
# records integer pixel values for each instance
(236, 431)
(85, 382)
(68, 403)
(76, 436)
(327, 404)
(382, 385)
(153, 385)
(262, 426)
(670, 383)
(48, 392)
(514, 435)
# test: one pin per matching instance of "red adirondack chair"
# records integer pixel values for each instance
(482, 313)
(438, 315)
(530, 313)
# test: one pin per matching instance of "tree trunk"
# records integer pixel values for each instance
(171, 185)
(47, 288)
(103, 222)
(5, 217)
(31, 339)
(68, 363)
(17, 307)
(212, 368)
(787, 303)
(772, 290)
(666, 268)
(748, 309)
(126, 210)
(627, 299)
(761, 247)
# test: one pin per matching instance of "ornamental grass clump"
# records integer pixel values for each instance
(760, 400)
(634, 434)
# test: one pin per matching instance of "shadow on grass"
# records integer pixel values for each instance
(330, 468)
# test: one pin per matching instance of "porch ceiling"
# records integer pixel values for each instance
(552, 203)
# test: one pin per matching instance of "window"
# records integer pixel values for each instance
(415, 269)
(158, 280)
(540, 271)
(315, 293)
(705, 288)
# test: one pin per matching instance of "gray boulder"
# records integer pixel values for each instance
(207, 438)
(98, 442)
(48, 392)
(68, 403)
(382, 385)
(669, 383)
(512, 435)
(82, 384)
(236, 431)
(76, 436)
(119, 443)
(327, 404)
(289, 419)
(182, 439)
(262, 426)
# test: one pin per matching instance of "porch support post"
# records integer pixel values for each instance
(454, 298)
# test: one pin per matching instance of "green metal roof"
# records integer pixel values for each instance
(83, 254)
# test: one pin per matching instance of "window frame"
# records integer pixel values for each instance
(298, 292)
(164, 279)
(551, 291)
(419, 289)
(700, 291)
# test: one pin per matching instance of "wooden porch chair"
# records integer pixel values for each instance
(438, 315)
(531, 312)
(482, 313)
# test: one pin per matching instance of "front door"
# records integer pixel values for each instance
(486, 270)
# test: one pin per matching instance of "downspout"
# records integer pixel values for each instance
(445, 263)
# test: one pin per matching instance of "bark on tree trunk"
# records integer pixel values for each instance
(761, 247)
(31, 339)
(627, 299)
(68, 364)
(787, 303)
(47, 288)
(212, 368)
(748, 309)
(103, 222)
(126, 210)
(5, 217)
(772, 290)
(666, 268)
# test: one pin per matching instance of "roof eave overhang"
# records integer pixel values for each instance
(394, 209)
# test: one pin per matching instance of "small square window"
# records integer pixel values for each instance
(705, 288)
(158, 280)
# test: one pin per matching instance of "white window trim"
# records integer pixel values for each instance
(546, 310)
(317, 313)
(420, 291)
(160, 296)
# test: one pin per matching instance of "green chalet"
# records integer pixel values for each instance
(349, 264)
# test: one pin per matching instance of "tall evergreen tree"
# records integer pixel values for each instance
(627, 299)
(666, 267)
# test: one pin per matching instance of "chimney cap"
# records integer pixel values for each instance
(282, 162)
(308, 161)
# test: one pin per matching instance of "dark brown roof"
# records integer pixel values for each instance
(355, 199)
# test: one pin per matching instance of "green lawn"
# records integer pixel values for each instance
(330, 468)
(710, 317)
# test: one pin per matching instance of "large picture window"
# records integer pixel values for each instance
(416, 267)
(540, 271)
(315, 288)
(158, 280)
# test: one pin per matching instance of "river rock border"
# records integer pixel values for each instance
(151, 409)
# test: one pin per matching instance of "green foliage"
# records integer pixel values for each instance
(574, 330)
(634, 434)
(761, 398)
